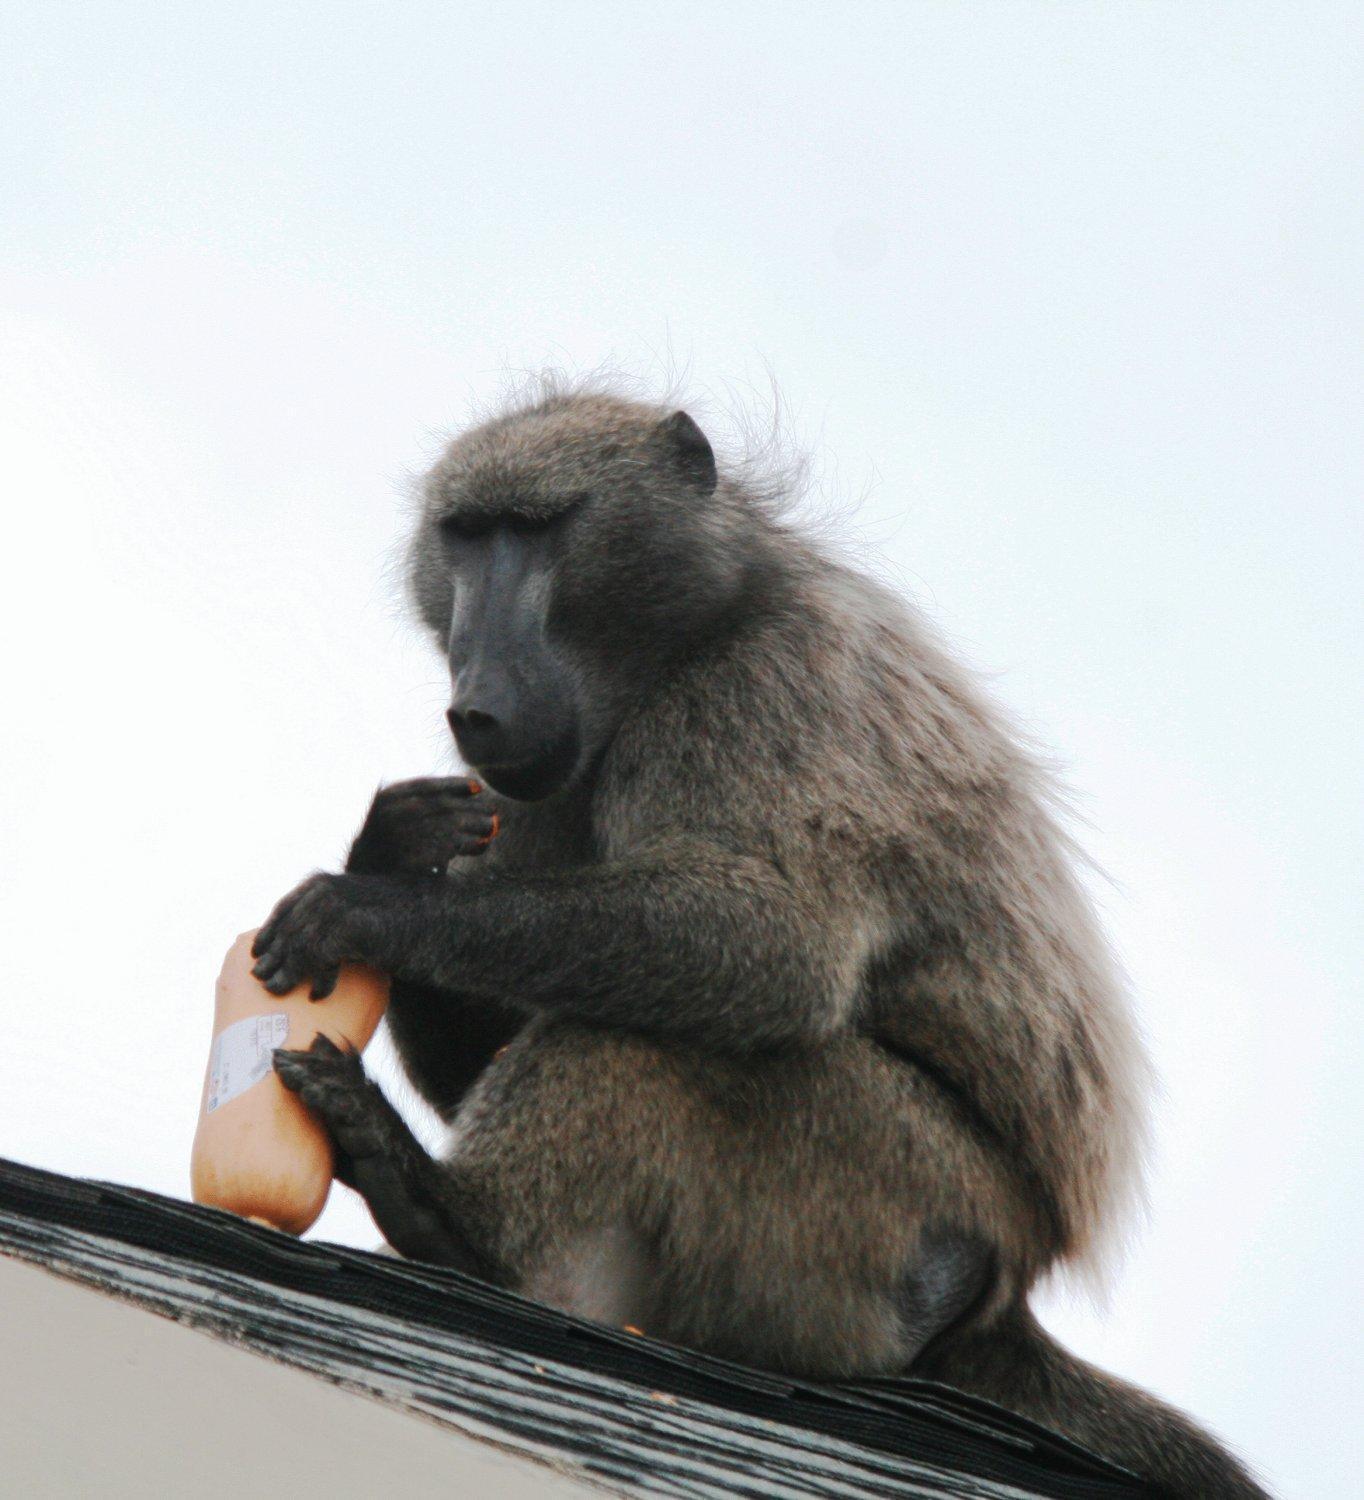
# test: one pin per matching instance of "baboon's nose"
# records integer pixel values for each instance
(462, 720)
(476, 732)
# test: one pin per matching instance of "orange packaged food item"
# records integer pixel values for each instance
(258, 1150)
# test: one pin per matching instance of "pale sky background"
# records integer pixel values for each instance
(1067, 295)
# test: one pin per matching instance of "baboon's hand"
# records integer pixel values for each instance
(417, 827)
(316, 928)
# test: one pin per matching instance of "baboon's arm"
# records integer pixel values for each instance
(682, 939)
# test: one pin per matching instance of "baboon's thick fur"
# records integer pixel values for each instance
(785, 1030)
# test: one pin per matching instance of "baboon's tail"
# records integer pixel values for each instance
(1014, 1361)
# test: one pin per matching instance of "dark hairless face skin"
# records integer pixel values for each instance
(513, 709)
(748, 961)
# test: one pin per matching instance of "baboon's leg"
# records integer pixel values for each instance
(414, 1202)
(783, 1210)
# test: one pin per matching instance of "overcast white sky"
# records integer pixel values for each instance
(1071, 294)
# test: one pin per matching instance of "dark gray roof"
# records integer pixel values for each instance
(635, 1415)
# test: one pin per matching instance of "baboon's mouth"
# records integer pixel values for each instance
(528, 781)
(538, 776)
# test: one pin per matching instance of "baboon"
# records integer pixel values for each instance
(750, 968)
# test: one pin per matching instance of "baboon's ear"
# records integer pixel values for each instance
(689, 449)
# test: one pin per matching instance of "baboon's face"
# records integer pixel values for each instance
(513, 708)
(565, 555)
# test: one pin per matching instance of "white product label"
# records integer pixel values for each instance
(241, 1056)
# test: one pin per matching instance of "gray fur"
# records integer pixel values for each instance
(788, 1004)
